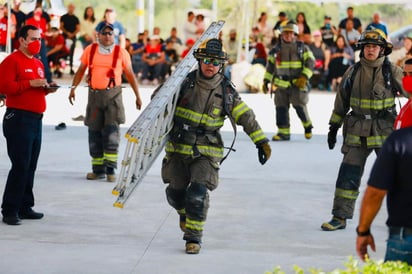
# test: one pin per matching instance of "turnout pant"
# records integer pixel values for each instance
(189, 180)
(104, 113)
(299, 100)
(349, 179)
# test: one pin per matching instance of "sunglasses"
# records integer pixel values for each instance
(407, 73)
(107, 33)
(214, 62)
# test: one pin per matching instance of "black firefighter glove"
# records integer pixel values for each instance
(265, 87)
(264, 152)
(333, 131)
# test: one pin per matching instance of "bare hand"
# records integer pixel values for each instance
(39, 83)
(138, 103)
(72, 97)
(362, 246)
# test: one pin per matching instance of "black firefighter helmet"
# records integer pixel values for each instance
(375, 37)
(210, 48)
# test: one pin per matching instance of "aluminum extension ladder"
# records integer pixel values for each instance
(148, 134)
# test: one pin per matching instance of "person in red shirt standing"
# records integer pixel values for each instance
(25, 87)
(42, 22)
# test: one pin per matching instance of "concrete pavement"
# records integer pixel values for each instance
(260, 216)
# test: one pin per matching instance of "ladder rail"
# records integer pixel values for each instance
(148, 134)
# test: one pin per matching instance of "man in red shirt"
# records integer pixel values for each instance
(39, 19)
(25, 87)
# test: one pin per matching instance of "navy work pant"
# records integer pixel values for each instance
(23, 133)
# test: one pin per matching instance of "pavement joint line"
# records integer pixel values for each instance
(151, 241)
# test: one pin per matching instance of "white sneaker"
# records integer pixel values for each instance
(155, 82)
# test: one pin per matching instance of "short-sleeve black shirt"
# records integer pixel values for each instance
(70, 22)
(392, 171)
(356, 23)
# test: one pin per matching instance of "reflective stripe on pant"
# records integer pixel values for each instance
(104, 113)
(349, 178)
(103, 148)
(299, 99)
(189, 180)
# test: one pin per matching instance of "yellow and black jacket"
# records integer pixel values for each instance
(201, 112)
(288, 61)
(367, 108)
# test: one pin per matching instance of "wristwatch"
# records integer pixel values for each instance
(363, 233)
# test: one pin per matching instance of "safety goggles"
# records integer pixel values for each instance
(107, 33)
(214, 62)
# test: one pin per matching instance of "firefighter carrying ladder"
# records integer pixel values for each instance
(148, 134)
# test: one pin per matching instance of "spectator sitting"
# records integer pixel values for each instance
(407, 51)
(350, 34)
(265, 30)
(350, 15)
(154, 60)
(136, 51)
(200, 24)
(231, 47)
(260, 55)
(87, 26)
(328, 31)
(304, 29)
(171, 57)
(341, 57)
(377, 24)
(177, 42)
(322, 57)
(189, 44)
(283, 18)
(56, 50)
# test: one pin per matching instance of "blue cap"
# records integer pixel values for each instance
(102, 26)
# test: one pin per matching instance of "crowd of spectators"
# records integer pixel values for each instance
(154, 58)
(334, 46)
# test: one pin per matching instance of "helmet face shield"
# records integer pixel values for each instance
(210, 49)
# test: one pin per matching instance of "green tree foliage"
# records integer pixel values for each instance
(169, 13)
